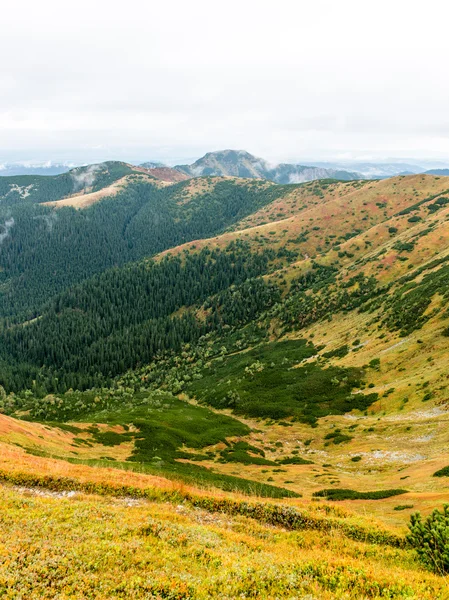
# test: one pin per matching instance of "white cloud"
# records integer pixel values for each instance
(169, 80)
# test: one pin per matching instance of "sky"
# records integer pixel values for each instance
(286, 80)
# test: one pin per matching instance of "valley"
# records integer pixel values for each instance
(186, 349)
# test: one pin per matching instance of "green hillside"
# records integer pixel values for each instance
(283, 341)
(46, 250)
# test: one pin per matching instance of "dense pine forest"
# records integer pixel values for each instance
(44, 251)
(124, 317)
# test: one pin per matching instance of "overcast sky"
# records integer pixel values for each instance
(286, 80)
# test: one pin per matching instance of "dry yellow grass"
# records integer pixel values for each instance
(91, 547)
(54, 441)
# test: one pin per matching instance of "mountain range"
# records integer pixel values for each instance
(235, 163)
(239, 163)
(198, 338)
(10, 169)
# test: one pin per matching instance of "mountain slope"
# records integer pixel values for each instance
(322, 334)
(86, 198)
(379, 224)
(43, 250)
(162, 172)
(39, 188)
(239, 163)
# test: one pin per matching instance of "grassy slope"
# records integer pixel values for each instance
(340, 209)
(116, 548)
(41, 188)
(192, 545)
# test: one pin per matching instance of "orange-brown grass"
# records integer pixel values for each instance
(164, 174)
(99, 547)
(54, 441)
(15, 460)
(346, 208)
(374, 199)
(299, 199)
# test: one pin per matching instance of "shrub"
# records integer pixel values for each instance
(444, 472)
(337, 353)
(347, 494)
(404, 246)
(295, 460)
(430, 538)
(375, 363)
(337, 437)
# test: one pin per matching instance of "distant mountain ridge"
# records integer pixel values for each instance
(440, 172)
(240, 163)
(153, 165)
(13, 169)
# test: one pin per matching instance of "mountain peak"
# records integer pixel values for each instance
(230, 153)
(240, 163)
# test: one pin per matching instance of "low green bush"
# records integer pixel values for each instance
(430, 538)
(337, 437)
(337, 353)
(294, 460)
(347, 494)
(444, 472)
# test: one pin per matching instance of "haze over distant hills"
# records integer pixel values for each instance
(374, 170)
(11, 169)
(440, 172)
(384, 169)
(240, 163)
